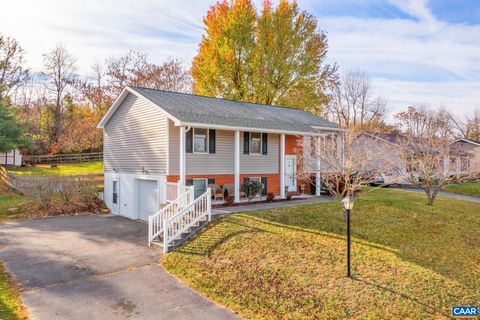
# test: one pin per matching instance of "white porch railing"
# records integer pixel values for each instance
(186, 218)
(156, 221)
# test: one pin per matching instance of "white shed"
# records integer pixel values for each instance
(11, 158)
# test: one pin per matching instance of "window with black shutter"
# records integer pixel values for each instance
(211, 141)
(189, 182)
(264, 143)
(246, 143)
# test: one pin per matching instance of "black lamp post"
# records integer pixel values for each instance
(347, 203)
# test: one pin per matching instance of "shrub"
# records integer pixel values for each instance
(87, 191)
(67, 189)
(252, 189)
(289, 197)
(270, 197)
(41, 189)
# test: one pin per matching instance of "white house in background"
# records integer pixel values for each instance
(164, 150)
(11, 158)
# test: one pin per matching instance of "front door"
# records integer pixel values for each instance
(291, 173)
(148, 202)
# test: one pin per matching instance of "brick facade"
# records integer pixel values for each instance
(293, 146)
(273, 179)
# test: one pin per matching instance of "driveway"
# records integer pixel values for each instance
(96, 267)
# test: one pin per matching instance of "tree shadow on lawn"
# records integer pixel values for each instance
(215, 234)
(433, 240)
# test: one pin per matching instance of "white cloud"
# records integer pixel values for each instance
(418, 60)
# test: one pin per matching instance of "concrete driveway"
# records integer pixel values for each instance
(96, 267)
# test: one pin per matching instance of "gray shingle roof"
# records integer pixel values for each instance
(189, 108)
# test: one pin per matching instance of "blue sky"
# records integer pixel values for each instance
(415, 51)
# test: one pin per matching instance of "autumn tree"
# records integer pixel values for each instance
(134, 69)
(353, 104)
(60, 70)
(276, 56)
(468, 127)
(12, 70)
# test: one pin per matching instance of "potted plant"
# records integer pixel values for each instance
(302, 188)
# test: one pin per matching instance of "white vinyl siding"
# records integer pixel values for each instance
(135, 137)
(258, 163)
(222, 161)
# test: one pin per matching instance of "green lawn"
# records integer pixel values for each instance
(13, 206)
(62, 169)
(10, 303)
(468, 188)
(410, 260)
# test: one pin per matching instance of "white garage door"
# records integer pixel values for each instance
(148, 202)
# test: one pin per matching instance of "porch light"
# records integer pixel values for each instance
(347, 203)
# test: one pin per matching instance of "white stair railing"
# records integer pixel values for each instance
(186, 218)
(155, 221)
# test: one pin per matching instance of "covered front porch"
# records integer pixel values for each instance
(233, 161)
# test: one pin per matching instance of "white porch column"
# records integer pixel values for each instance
(237, 167)
(181, 181)
(282, 166)
(318, 187)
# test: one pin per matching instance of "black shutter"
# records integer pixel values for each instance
(211, 141)
(246, 142)
(313, 187)
(189, 141)
(264, 186)
(211, 181)
(264, 143)
(189, 182)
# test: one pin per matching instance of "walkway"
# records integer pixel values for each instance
(271, 205)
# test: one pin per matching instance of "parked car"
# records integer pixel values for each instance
(388, 179)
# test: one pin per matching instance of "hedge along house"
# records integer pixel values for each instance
(156, 141)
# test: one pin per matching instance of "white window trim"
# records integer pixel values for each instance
(250, 144)
(207, 146)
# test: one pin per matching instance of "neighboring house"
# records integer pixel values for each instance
(154, 140)
(465, 156)
(464, 159)
(385, 149)
(12, 158)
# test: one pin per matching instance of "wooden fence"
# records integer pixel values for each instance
(64, 158)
